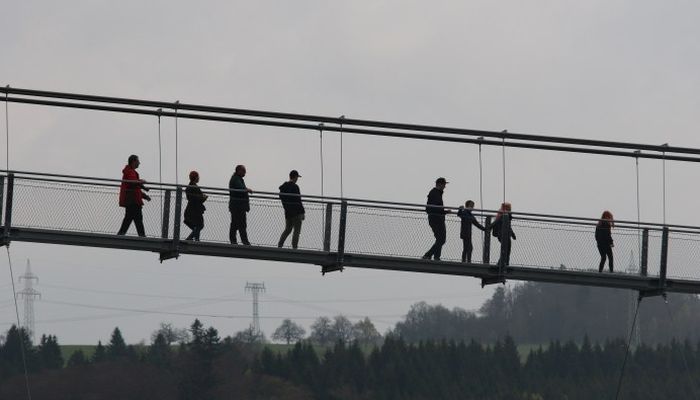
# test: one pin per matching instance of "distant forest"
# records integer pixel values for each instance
(579, 336)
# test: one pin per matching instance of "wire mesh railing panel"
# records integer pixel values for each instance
(683, 255)
(569, 246)
(546, 243)
(265, 222)
(402, 233)
(77, 207)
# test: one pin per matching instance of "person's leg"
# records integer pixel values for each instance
(469, 250)
(441, 238)
(138, 221)
(199, 231)
(128, 217)
(610, 258)
(244, 229)
(288, 225)
(602, 251)
(508, 244)
(433, 227)
(234, 227)
(297, 231)
(464, 250)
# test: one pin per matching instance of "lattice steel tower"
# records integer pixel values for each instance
(632, 269)
(28, 294)
(255, 289)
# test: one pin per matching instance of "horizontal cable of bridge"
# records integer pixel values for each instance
(665, 153)
(376, 204)
(343, 121)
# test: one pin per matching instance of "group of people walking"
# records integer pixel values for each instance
(132, 195)
(501, 228)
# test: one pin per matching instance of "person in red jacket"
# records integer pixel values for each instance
(131, 197)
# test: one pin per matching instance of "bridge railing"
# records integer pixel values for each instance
(90, 205)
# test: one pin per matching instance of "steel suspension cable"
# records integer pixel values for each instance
(663, 167)
(177, 174)
(342, 117)
(693, 384)
(160, 163)
(627, 350)
(19, 326)
(481, 183)
(320, 130)
(503, 157)
(639, 238)
(7, 132)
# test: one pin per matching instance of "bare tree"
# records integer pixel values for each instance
(365, 332)
(171, 334)
(321, 331)
(289, 332)
(342, 329)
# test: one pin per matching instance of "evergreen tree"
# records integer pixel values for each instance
(116, 347)
(50, 353)
(159, 353)
(100, 353)
(77, 359)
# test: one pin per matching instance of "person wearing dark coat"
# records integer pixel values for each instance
(194, 212)
(436, 219)
(293, 209)
(603, 238)
(239, 205)
(131, 197)
(467, 219)
(503, 231)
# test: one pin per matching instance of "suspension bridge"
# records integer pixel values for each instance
(344, 232)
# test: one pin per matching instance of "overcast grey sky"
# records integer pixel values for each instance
(618, 70)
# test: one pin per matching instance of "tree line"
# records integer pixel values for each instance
(205, 366)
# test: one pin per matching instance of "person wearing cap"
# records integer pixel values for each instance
(194, 212)
(131, 197)
(239, 205)
(436, 218)
(293, 209)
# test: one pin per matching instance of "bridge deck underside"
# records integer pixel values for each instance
(330, 260)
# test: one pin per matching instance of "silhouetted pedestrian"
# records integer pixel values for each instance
(436, 218)
(239, 205)
(194, 212)
(131, 197)
(293, 209)
(503, 231)
(603, 238)
(465, 229)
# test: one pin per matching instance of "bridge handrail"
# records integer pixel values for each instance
(541, 217)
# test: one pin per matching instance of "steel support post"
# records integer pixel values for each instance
(165, 222)
(328, 224)
(174, 251)
(643, 267)
(342, 223)
(487, 241)
(664, 258)
(8, 209)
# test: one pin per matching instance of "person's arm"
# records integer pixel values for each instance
(477, 224)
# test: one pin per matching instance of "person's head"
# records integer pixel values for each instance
(607, 216)
(506, 207)
(134, 161)
(240, 170)
(294, 175)
(194, 176)
(441, 183)
(469, 204)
